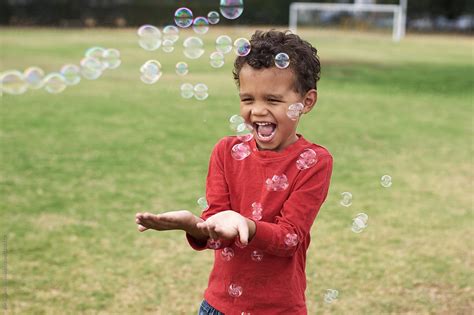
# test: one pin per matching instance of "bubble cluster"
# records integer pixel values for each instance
(294, 111)
(231, 9)
(150, 71)
(187, 90)
(346, 199)
(244, 132)
(98, 54)
(182, 68)
(193, 47)
(359, 223)
(291, 239)
(282, 61)
(149, 37)
(277, 183)
(216, 59)
(224, 44)
(386, 181)
(256, 255)
(213, 17)
(183, 17)
(330, 296)
(227, 253)
(235, 290)
(200, 25)
(202, 203)
(242, 46)
(257, 211)
(235, 121)
(306, 159)
(240, 151)
(54, 83)
(200, 91)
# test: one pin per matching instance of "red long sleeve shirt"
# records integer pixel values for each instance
(282, 193)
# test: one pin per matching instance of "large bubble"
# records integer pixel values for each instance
(231, 9)
(71, 74)
(13, 82)
(149, 37)
(171, 32)
(54, 83)
(242, 47)
(34, 77)
(111, 58)
(91, 68)
(183, 17)
(150, 71)
(193, 47)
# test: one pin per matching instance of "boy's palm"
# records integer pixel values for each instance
(174, 220)
(226, 225)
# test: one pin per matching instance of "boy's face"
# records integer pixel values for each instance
(265, 95)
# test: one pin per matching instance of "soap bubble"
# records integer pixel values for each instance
(193, 47)
(182, 68)
(216, 59)
(235, 290)
(244, 132)
(171, 33)
(111, 58)
(91, 68)
(277, 183)
(200, 25)
(187, 90)
(183, 17)
(227, 253)
(242, 46)
(231, 9)
(282, 61)
(150, 71)
(346, 200)
(200, 92)
(202, 202)
(167, 45)
(294, 111)
(257, 211)
(224, 44)
(256, 255)
(213, 17)
(235, 121)
(54, 83)
(359, 223)
(306, 159)
(149, 37)
(386, 181)
(330, 296)
(97, 53)
(71, 74)
(240, 151)
(13, 82)
(291, 239)
(34, 77)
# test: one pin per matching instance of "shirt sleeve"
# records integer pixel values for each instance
(285, 234)
(217, 191)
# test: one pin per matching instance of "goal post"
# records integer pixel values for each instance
(398, 11)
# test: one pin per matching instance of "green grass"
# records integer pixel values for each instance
(75, 167)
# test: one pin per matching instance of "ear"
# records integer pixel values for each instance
(309, 100)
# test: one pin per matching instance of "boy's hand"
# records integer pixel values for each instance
(228, 225)
(174, 220)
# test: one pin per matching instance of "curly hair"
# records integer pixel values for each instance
(304, 60)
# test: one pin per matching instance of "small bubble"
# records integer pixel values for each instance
(240, 151)
(182, 68)
(200, 92)
(149, 37)
(54, 83)
(171, 33)
(187, 90)
(183, 17)
(71, 74)
(244, 132)
(227, 253)
(330, 296)
(231, 9)
(235, 290)
(213, 17)
(167, 45)
(242, 47)
(306, 159)
(291, 239)
(224, 44)
(33, 76)
(13, 82)
(111, 58)
(359, 223)
(91, 68)
(200, 25)
(202, 202)
(193, 47)
(216, 59)
(235, 121)
(277, 183)
(150, 71)
(346, 200)
(257, 211)
(386, 181)
(213, 244)
(294, 111)
(282, 61)
(257, 255)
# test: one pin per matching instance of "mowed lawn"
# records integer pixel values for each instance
(76, 167)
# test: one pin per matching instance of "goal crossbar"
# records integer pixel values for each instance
(397, 10)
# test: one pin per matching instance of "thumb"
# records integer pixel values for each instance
(243, 232)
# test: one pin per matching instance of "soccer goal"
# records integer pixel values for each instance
(327, 11)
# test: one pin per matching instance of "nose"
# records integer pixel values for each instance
(259, 109)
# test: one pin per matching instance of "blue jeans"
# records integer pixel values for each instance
(207, 309)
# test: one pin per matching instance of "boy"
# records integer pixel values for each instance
(262, 203)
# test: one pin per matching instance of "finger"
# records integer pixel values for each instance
(141, 228)
(243, 232)
(212, 231)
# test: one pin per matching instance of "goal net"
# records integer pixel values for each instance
(358, 15)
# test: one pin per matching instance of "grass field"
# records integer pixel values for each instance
(76, 167)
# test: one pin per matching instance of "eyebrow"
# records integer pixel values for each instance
(277, 96)
(244, 95)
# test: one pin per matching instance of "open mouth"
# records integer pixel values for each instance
(265, 131)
